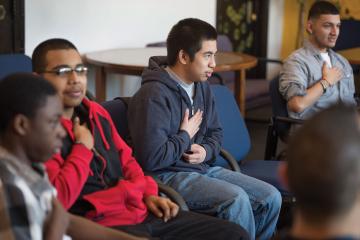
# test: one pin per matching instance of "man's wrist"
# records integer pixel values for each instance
(81, 143)
(324, 84)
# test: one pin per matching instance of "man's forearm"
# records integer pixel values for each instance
(300, 103)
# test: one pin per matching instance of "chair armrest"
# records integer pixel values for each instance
(289, 120)
(273, 133)
(172, 195)
(234, 165)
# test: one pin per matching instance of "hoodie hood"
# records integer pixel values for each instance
(156, 72)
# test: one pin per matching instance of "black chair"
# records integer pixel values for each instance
(117, 109)
(280, 122)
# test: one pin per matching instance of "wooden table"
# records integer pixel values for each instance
(132, 61)
(351, 54)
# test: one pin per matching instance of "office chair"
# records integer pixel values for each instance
(280, 122)
(236, 142)
(117, 109)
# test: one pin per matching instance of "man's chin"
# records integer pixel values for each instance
(331, 44)
(72, 103)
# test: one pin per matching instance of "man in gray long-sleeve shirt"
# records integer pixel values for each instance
(314, 76)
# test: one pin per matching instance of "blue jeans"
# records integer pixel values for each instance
(249, 202)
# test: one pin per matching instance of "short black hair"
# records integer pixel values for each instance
(39, 54)
(22, 93)
(322, 7)
(324, 163)
(188, 35)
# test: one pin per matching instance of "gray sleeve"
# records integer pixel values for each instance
(293, 79)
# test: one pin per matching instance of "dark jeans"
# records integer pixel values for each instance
(186, 225)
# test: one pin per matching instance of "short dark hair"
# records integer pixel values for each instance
(39, 54)
(322, 7)
(188, 35)
(324, 163)
(22, 93)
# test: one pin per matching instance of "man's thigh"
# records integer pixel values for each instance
(255, 188)
(190, 225)
(203, 192)
(186, 225)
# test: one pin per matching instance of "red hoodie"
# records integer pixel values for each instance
(120, 204)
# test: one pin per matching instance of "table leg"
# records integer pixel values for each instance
(240, 87)
(100, 84)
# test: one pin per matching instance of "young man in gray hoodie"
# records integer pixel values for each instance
(176, 134)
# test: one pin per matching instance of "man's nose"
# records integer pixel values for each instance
(334, 30)
(73, 76)
(212, 63)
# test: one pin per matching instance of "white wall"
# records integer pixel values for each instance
(275, 28)
(104, 24)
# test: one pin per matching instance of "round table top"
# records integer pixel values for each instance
(134, 60)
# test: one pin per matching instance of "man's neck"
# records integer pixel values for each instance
(68, 113)
(181, 73)
(321, 49)
(346, 225)
(13, 146)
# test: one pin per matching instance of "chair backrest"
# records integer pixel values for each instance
(117, 109)
(12, 63)
(156, 44)
(236, 136)
(279, 108)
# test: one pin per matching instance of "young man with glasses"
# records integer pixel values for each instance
(95, 173)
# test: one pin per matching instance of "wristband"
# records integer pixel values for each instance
(324, 84)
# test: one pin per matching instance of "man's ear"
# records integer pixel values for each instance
(283, 174)
(21, 124)
(309, 27)
(183, 57)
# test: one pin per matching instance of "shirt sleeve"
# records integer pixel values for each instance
(69, 175)
(293, 79)
(15, 222)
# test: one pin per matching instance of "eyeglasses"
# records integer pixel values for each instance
(64, 71)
